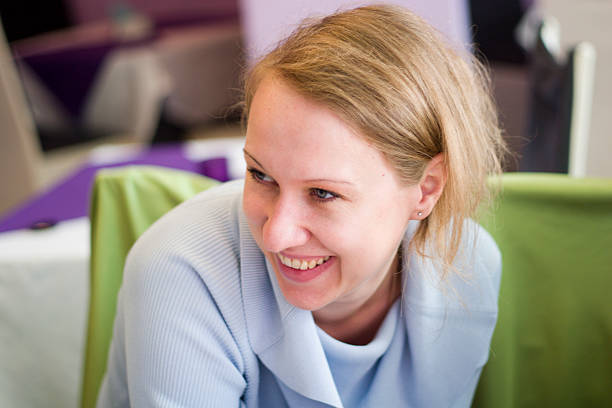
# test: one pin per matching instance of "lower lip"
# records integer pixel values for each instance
(300, 276)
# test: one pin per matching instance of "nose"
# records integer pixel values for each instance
(285, 227)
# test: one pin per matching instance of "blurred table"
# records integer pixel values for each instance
(70, 198)
(44, 291)
(105, 78)
(44, 274)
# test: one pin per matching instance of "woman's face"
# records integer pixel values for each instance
(325, 207)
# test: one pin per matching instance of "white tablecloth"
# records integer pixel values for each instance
(44, 292)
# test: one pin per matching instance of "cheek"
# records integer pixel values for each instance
(254, 210)
(350, 239)
(375, 233)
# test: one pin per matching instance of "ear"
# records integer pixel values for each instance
(431, 186)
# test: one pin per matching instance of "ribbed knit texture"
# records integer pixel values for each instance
(201, 323)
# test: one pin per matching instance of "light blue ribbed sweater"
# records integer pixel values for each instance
(201, 322)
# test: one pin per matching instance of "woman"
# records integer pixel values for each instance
(344, 271)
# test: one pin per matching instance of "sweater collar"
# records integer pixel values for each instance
(284, 337)
(447, 339)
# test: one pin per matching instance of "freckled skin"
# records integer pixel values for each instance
(295, 145)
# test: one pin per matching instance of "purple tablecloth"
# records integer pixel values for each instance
(70, 198)
(69, 73)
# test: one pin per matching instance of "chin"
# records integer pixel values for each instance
(307, 297)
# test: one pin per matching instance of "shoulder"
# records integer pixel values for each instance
(195, 245)
(478, 257)
(197, 228)
(449, 322)
(180, 309)
(487, 257)
(215, 208)
(473, 282)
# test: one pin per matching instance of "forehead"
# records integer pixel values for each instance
(277, 105)
(302, 132)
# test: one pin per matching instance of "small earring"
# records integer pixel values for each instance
(419, 213)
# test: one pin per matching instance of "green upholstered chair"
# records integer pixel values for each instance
(125, 202)
(552, 346)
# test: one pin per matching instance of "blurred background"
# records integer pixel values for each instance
(86, 85)
(93, 72)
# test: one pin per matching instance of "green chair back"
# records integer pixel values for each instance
(552, 346)
(124, 203)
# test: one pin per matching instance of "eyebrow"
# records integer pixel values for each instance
(318, 180)
(252, 158)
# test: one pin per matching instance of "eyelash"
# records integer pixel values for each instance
(259, 176)
(315, 196)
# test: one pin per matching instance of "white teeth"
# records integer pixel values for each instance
(301, 265)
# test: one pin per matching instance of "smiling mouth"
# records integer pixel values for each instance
(302, 265)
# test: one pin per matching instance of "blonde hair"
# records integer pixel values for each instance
(393, 78)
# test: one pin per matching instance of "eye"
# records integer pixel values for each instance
(259, 176)
(322, 195)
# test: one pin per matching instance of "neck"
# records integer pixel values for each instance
(359, 324)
